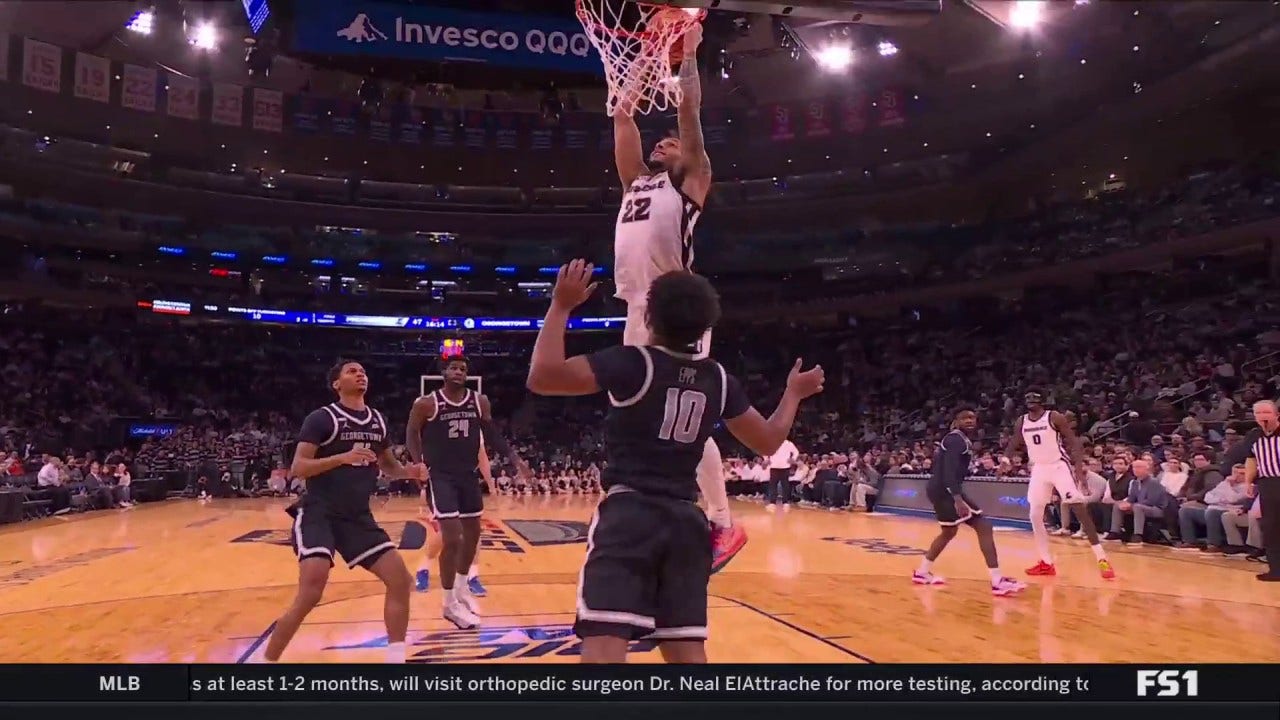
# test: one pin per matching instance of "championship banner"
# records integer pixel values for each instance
(182, 97)
(444, 127)
(1249, 687)
(138, 91)
(541, 131)
(853, 114)
(4, 56)
(42, 66)
(93, 78)
(344, 118)
(506, 131)
(305, 112)
(892, 109)
(420, 32)
(715, 126)
(781, 128)
(268, 110)
(475, 130)
(381, 122)
(817, 119)
(228, 104)
(410, 126)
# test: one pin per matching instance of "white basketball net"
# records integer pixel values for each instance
(635, 42)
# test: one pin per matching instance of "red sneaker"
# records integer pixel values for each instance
(725, 543)
(1105, 566)
(1042, 568)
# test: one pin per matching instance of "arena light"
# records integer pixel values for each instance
(205, 37)
(887, 49)
(834, 57)
(1027, 14)
(142, 22)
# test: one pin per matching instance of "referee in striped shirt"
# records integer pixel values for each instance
(1262, 477)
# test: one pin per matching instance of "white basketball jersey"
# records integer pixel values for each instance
(653, 236)
(1044, 443)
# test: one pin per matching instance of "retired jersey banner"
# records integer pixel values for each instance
(228, 104)
(853, 113)
(93, 78)
(268, 110)
(780, 127)
(444, 127)
(305, 112)
(381, 122)
(182, 97)
(344, 117)
(4, 56)
(817, 118)
(42, 66)
(138, 91)
(506, 130)
(541, 131)
(576, 127)
(715, 127)
(475, 128)
(410, 125)
(892, 109)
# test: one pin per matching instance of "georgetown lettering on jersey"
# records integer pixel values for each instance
(451, 437)
(335, 430)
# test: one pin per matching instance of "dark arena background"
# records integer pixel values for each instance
(944, 202)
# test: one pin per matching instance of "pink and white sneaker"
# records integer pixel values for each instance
(1006, 586)
(927, 578)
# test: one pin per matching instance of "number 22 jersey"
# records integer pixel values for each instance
(664, 406)
(653, 235)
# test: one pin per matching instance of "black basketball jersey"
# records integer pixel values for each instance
(451, 437)
(664, 407)
(336, 429)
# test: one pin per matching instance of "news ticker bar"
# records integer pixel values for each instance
(384, 322)
(586, 683)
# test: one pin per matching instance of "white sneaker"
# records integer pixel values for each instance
(469, 601)
(1078, 535)
(927, 578)
(462, 618)
(770, 506)
(1060, 532)
(787, 507)
(1007, 586)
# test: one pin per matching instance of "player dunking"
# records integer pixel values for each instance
(661, 202)
(435, 543)
(340, 449)
(648, 547)
(445, 431)
(1057, 463)
(945, 490)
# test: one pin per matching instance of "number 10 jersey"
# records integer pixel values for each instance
(653, 235)
(664, 406)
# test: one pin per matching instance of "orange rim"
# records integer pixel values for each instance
(586, 18)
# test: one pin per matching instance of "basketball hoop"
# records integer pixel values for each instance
(638, 44)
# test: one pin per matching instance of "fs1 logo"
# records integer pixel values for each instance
(1169, 683)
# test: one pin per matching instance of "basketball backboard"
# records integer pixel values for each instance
(865, 12)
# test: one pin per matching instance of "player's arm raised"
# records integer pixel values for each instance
(764, 437)
(493, 435)
(424, 408)
(695, 165)
(628, 148)
(550, 373)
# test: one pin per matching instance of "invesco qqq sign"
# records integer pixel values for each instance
(426, 33)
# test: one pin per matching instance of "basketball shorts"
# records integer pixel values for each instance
(647, 568)
(636, 331)
(317, 532)
(455, 495)
(1047, 477)
(944, 506)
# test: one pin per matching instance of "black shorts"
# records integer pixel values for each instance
(319, 533)
(944, 506)
(646, 572)
(455, 495)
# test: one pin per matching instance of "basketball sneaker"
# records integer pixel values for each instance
(1104, 566)
(458, 614)
(927, 578)
(1007, 586)
(422, 580)
(464, 596)
(1042, 568)
(725, 544)
(476, 587)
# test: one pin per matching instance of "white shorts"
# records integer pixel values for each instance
(636, 331)
(1047, 477)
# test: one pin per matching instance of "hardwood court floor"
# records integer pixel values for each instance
(186, 581)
